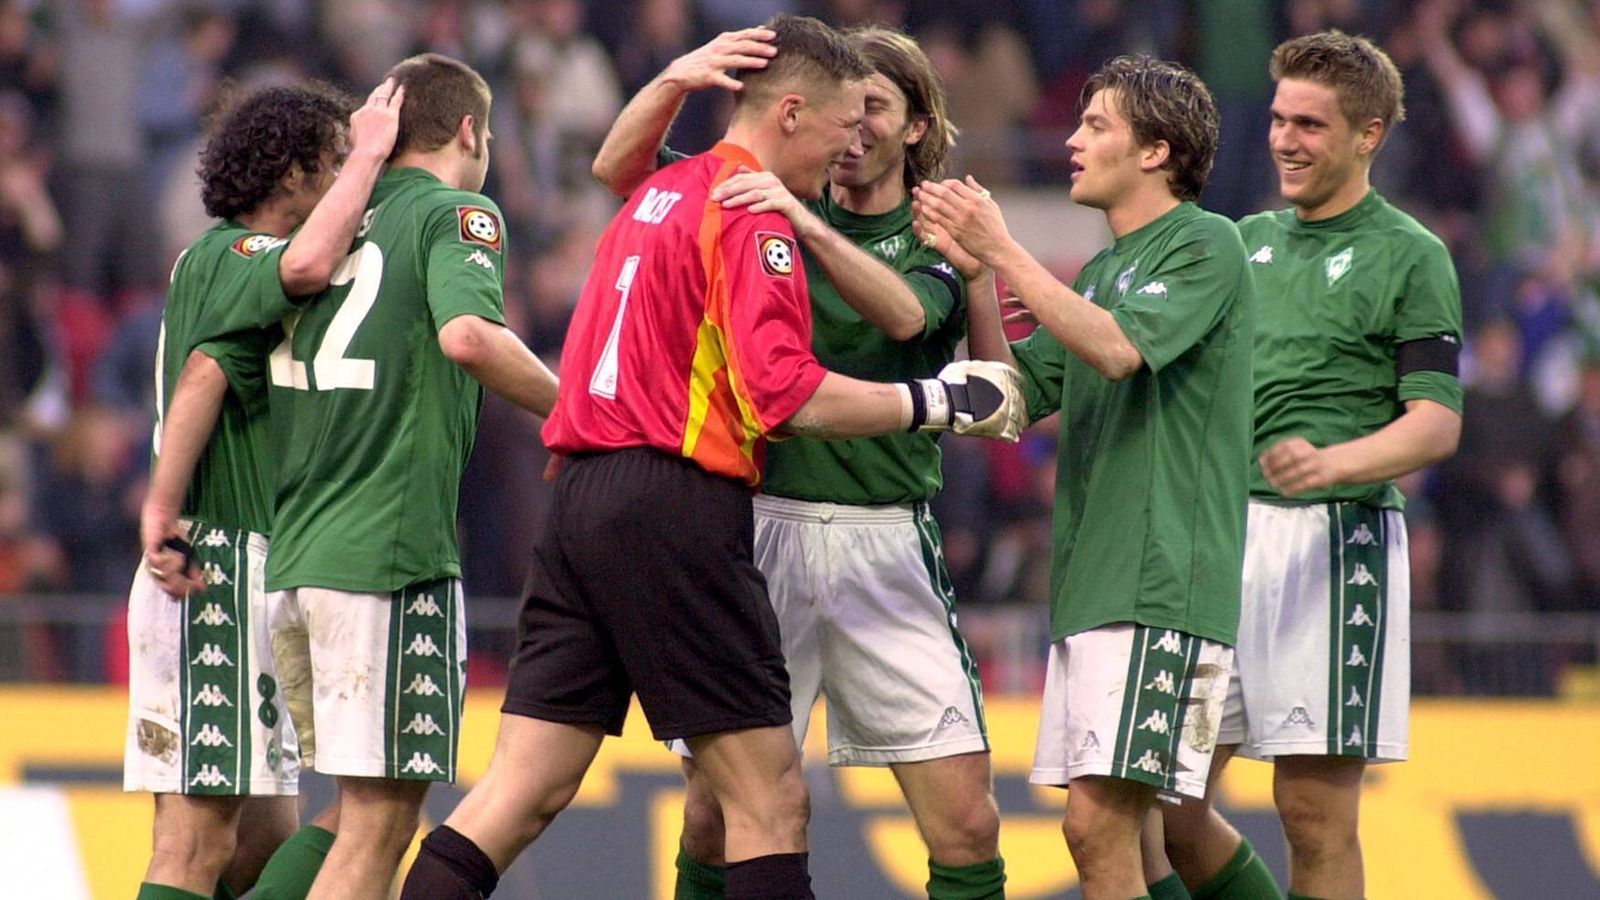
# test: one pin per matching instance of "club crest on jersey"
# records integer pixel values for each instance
(479, 226)
(251, 244)
(1338, 264)
(777, 254)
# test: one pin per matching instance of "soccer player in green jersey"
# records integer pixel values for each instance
(1358, 330)
(378, 380)
(851, 553)
(207, 731)
(1147, 358)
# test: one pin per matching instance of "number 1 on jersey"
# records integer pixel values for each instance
(604, 382)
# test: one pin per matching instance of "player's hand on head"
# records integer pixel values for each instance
(1293, 466)
(978, 397)
(708, 65)
(374, 127)
(758, 191)
(964, 211)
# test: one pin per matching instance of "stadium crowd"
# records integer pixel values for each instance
(103, 105)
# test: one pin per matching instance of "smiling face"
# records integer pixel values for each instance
(822, 130)
(1322, 160)
(886, 132)
(1105, 158)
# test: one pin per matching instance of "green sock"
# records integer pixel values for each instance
(1244, 877)
(224, 892)
(698, 881)
(148, 891)
(1169, 888)
(979, 881)
(290, 871)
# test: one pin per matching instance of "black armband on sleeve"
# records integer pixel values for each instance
(1435, 354)
(944, 274)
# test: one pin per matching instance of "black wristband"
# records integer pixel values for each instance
(919, 405)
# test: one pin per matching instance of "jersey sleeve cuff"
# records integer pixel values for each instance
(785, 405)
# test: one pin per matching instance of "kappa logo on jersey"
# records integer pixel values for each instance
(1362, 536)
(477, 257)
(1090, 742)
(951, 717)
(422, 723)
(1361, 577)
(423, 686)
(1170, 643)
(216, 537)
(1163, 682)
(889, 249)
(423, 645)
(1360, 617)
(1151, 763)
(210, 776)
(251, 244)
(1089, 294)
(213, 574)
(212, 614)
(1155, 289)
(1355, 697)
(1262, 257)
(1357, 658)
(777, 254)
(479, 226)
(211, 655)
(424, 605)
(1339, 264)
(421, 764)
(1125, 280)
(1299, 716)
(211, 736)
(210, 695)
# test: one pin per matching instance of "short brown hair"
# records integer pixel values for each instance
(898, 58)
(1163, 101)
(809, 52)
(439, 91)
(1364, 77)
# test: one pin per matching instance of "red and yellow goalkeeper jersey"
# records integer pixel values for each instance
(693, 331)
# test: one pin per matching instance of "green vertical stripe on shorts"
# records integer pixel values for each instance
(1146, 736)
(1358, 573)
(939, 578)
(214, 720)
(1186, 693)
(424, 684)
(1380, 626)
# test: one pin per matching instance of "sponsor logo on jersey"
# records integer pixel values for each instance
(1361, 577)
(1299, 716)
(210, 695)
(422, 685)
(479, 226)
(1150, 762)
(421, 764)
(1156, 722)
(212, 614)
(211, 655)
(216, 537)
(422, 723)
(1090, 742)
(1355, 697)
(477, 257)
(213, 574)
(424, 605)
(1360, 617)
(1357, 658)
(210, 776)
(423, 645)
(251, 244)
(1163, 682)
(1170, 643)
(1125, 280)
(950, 718)
(1262, 257)
(1339, 264)
(889, 249)
(1362, 536)
(1155, 289)
(211, 736)
(776, 252)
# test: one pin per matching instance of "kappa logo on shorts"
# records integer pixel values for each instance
(210, 695)
(216, 537)
(423, 645)
(424, 605)
(1355, 737)
(1090, 742)
(1361, 577)
(212, 614)
(1362, 536)
(251, 244)
(421, 764)
(422, 723)
(950, 718)
(213, 574)
(211, 736)
(423, 686)
(1299, 716)
(1360, 617)
(776, 252)
(210, 776)
(1170, 643)
(211, 655)
(1151, 763)
(1355, 697)
(1157, 722)
(479, 226)
(1357, 658)
(1163, 682)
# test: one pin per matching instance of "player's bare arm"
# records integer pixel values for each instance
(493, 355)
(1425, 434)
(628, 155)
(966, 213)
(872, 288)
(187, 425)
(322, 242)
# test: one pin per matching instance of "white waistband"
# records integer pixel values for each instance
(825, 513)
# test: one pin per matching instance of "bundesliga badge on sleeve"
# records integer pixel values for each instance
(777, 254)
(479, 226)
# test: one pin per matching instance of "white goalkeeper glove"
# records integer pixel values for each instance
(972, 396)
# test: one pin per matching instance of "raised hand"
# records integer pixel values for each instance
(964, 211)
(708, 65)
(374, 127)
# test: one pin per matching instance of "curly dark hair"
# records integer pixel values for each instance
(257, 137)
(1163, 101)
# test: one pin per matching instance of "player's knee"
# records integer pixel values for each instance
(203, 851)
(703, 830)
(792, 804)
(965, 833)
(1314, 826)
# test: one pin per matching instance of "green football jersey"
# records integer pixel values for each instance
(221, 286)
(899, 468)
(1337, 296)
(380, 421)
(1152, 470)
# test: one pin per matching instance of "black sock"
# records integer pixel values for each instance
(449, 866)
(777, 876)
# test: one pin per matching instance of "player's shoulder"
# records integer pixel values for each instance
(1407, 233)
(224, 244)
(1265, 223)
(1201, 234)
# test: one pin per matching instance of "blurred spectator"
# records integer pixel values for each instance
(182, 74)
(1575, 456)
(30, 236)
(989, 91)
(27, 62)
(1233, 37)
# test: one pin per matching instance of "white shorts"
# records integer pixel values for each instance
(374, 682)
(1323, 666)
(1132, 702)
(867, 618)
(205, 706)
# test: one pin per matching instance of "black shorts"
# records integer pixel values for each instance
(643, 581)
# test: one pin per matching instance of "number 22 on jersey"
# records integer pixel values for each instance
(363, 271)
